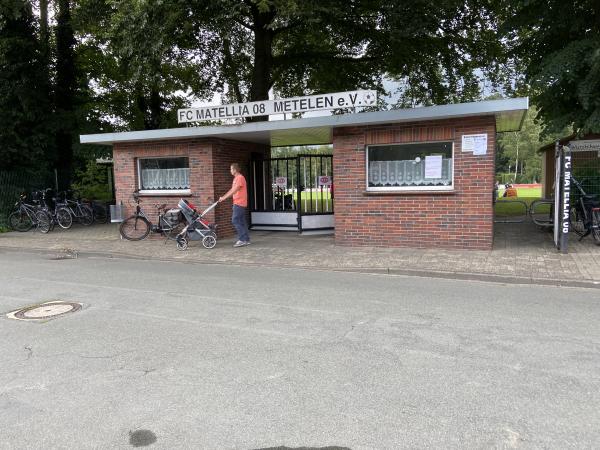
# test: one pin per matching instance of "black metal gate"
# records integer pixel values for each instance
(292, 193)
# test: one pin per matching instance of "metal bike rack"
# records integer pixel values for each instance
(507, 220)
(549, 220)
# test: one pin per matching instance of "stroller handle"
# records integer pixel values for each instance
(210, 208)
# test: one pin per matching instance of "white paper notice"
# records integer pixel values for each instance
(476, 143)
(433, 166)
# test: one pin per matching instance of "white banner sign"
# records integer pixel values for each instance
(476, 143)
(285, 105)
(585, 146)
(281, 182)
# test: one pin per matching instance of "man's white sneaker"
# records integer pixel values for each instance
(239, 244)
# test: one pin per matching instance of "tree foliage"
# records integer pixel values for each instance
(297, 47)
(141, 58)
(558, 45)
(24, 105)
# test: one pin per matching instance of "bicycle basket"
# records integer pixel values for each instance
(173, 216)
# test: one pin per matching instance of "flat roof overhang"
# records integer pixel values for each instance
(509, 115)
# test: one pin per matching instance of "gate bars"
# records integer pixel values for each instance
(303, 184)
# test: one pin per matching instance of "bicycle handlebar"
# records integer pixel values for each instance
(578, 185)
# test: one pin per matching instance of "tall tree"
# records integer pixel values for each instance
(307, 46)
(65, 91)
(558, 43)
(141, 57)
(24, 110)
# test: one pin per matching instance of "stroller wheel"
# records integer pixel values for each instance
(182, 244)
(209, 241)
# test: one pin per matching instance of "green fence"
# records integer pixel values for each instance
(13, 183)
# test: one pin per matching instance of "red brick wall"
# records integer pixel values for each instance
(209, 161)
(459, 219)
(226, 152)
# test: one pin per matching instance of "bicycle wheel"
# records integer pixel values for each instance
(100, 213)
(20, 221)
(87, 215)
(596, 225)
(182, 244)
(44, 221)
(134, 228)
(577, 221)
(64, 218)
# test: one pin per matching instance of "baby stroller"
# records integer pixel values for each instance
(197, 228)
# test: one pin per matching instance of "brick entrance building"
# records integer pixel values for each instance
(419, 177)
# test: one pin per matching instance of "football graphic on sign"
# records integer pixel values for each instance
(368, 98)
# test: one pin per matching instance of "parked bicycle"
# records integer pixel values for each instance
(59, 213)
(584, 213)
(79, 211)
(100, 211)
(26, 216)
(138, 226)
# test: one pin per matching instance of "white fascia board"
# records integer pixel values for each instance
(258, 131)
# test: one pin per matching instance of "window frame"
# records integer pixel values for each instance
(408, 188)
(160, 191)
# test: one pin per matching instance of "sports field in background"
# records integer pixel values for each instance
(526, 193)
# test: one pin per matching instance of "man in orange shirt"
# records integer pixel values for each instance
(240, 203)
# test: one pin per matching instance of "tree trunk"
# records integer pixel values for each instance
(263, 56)
(156, 112)
(44, 29)
(65, 92)
(516, 163)
(230, 71)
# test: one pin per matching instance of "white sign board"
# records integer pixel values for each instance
(281, 182)
(433, 166)
(476, 143)
(281, 106)
(323, 181)
(585, 146)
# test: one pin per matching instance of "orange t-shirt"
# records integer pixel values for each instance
(240, 197)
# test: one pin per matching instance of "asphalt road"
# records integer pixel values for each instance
(173, 355)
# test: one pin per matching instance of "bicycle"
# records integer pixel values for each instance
(100, 211)
(584, 213)
(138, 226)
(586, 217)
(60, 215)
(79, 211)
(27, 216)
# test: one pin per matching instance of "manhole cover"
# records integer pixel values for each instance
(45, 311)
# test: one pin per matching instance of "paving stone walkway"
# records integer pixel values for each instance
(522, 253)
